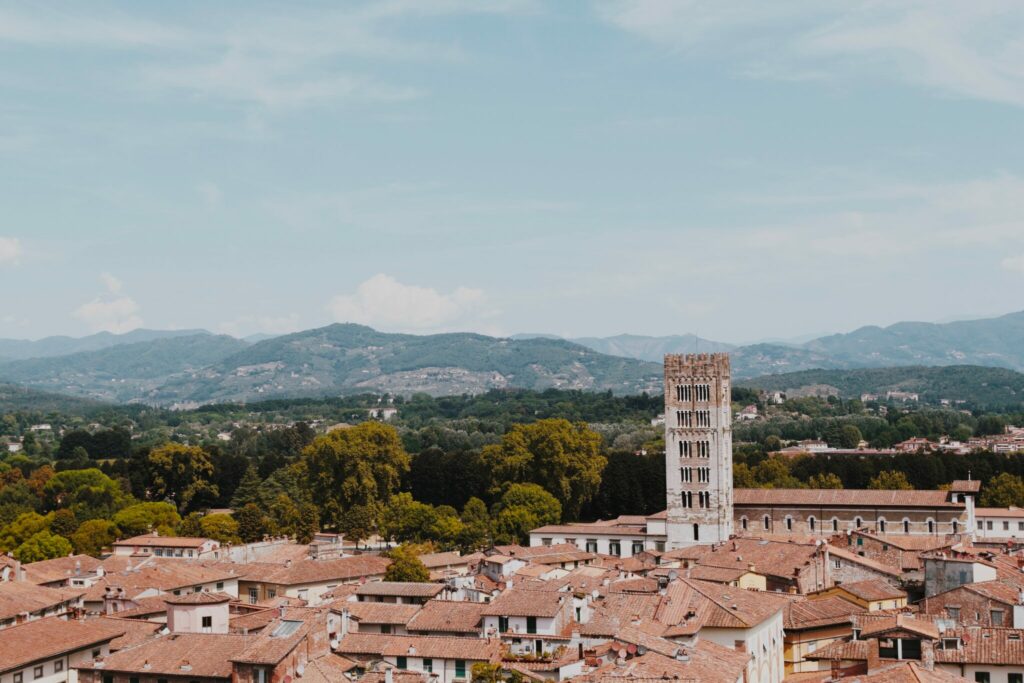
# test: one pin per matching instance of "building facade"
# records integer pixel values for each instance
(698, 449)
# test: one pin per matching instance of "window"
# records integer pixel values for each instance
(591, 545)
(789, 523)
(37, 672)
(108, 678)
(906, 526)
(858, 523)
(58, 666)
(997, 617)
(428, 665)
(931, 526)
(659, 546)
(207, 624)
(838, 564)
(271, 593)
(1020, 526)
(982, 677)
(503, 624)
(220, 585)
(615, 547)
(403, 663)
(767, 522)
(881, 525)
(460, 668)
(981, 525)
(743, 523)
(956, 526)
(696, 532)
(1006, 526)
(259, 675)
(531, 624)
(811, 523)
(385, 629)
(638, 547)
(988, 525)
(254, 595)
(545, 541)
(1014, 678)
(860, 540)
(18, 677)
(954, 612)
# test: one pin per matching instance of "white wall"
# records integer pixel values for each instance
(764, 642)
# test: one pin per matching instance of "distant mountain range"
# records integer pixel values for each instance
(194, 366)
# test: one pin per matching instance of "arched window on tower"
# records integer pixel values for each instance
(811, 524)
(767, 522)
(906, 525)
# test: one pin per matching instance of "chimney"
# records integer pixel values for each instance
(740, 645)
(280, 611)
(835, 669)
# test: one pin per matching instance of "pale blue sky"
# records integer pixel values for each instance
(739, 169)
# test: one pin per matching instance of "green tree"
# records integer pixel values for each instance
(219, 527)
(21, 529)
(743, 476)
(248, 490)
(42, 546)
(355, 470)
(890, 480)
(88, 493)
(1003, 490)
(284, 516)
(183, 474)
(563, 457)
(62, 522)
(191, 525)
(825, 480)
(252, 523)
(93, 535)
(406, 520)
(990, 424)
(309, 523)
(406, 565)
(476, 526)
(774, 473)
(522, 508)
(849, 436)
(142, 518)
(358, 523)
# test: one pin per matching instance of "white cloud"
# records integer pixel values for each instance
(1013, 263)
(110, 312)
(965, 49)
(10, 250)
(384, 302)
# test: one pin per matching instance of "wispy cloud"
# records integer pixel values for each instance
(273, 57)
(10, 250)
(964, 49)
(112, 311)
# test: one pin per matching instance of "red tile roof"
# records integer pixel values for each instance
(434, 647)
(197, 655)
(50, 637)
(842, 497)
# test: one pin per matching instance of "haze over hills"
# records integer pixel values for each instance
(17, 349)
(196, 366)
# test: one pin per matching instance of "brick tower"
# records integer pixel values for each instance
(698, 449)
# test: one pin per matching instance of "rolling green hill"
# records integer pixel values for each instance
(346, 358)
(128, 372)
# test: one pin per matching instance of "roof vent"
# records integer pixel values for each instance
(185, 665)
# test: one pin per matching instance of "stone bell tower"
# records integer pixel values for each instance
(698, 449)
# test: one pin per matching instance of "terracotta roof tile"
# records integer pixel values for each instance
(198, 655)
(522, 603)
(401, 589)
(20, 596)
(59, 569)
(44, 638)
(446, 616)
(843, 497)
(380, 612)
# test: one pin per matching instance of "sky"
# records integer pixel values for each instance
(738, 169)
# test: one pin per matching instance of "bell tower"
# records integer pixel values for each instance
(698, 449)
